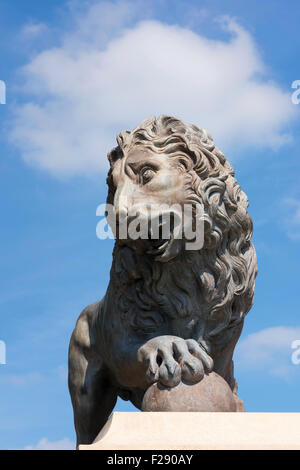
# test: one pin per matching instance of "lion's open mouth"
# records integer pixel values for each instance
(158, 247)
(161, 241)
(165, 250)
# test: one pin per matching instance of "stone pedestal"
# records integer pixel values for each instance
(198, 431)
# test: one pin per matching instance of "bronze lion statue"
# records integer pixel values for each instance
(169, 314)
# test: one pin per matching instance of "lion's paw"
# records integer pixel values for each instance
(169, 359)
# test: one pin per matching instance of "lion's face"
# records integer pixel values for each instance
(164, 161)
(148, 188)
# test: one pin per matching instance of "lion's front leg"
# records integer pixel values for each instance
(170, 359)
(92, 392)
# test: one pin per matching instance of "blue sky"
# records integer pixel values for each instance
(76, 74)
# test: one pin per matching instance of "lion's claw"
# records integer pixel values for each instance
(168, 359)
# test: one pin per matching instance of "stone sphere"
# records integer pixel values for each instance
(212, 393)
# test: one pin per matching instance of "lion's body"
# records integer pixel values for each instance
(200, 295)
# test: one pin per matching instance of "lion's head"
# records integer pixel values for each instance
(164, 160)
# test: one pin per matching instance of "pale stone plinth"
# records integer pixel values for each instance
(191, 431)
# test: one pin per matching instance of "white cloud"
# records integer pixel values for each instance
(112, 70)
(45, 444)
(32, 30)
(270, 351)
(21, 380)
(29, 379)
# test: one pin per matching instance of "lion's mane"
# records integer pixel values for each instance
(214, 286)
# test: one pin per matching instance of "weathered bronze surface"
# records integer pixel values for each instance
(169, 314)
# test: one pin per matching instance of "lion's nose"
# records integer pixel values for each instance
(123, 198)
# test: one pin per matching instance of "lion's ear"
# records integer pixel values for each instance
(117, 152)
(123, 138)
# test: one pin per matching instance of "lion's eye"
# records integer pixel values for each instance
(146, 175)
